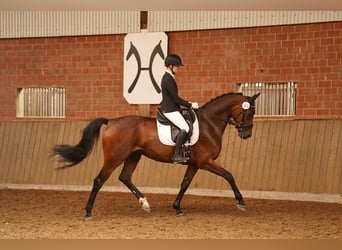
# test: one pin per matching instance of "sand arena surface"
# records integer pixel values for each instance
(37, 214)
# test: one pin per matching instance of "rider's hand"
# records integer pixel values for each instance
(194, 105)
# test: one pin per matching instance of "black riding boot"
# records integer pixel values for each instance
(178, 157)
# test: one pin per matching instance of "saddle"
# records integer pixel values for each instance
(189, 116)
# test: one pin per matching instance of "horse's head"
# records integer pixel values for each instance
(242, 117)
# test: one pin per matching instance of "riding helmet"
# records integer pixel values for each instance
(174, 60)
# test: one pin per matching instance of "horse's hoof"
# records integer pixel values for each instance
(180, 215)
(241, 207)
(145, 204)
(147, 209)
(87, 218)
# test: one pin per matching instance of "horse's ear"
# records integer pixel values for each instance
(254, 97)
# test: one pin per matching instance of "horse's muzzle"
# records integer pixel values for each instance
(244, 131)
(245, 135)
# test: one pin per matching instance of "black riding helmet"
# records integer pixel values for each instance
(174, 60)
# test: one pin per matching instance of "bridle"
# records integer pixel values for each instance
(242, 126)
(248, 104)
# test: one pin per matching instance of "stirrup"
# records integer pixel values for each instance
(180, 160)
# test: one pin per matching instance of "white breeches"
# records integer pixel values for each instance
(178, 120)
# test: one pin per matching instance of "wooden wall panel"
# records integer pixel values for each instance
(282, 155)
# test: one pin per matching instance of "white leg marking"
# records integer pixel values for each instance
(145, 204)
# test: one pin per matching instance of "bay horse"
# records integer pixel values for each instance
(125, 139)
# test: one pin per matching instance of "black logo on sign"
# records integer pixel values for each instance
(133, 51)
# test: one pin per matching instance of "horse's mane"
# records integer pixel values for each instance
(219, 97)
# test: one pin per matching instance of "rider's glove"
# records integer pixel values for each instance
(194, 105)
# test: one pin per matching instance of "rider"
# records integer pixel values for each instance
(171, 103)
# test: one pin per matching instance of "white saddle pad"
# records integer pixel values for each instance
(164, 134)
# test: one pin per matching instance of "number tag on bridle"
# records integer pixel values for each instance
(246, 105)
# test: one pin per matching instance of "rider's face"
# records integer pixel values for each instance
(175, 69)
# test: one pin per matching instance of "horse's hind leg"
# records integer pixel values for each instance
(101, 178)
(125, 177)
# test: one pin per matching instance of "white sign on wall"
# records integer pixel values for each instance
(144, 55)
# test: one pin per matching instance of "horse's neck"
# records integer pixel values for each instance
(219, 112)
(223, 107)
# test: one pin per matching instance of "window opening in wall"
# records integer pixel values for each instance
(41, 102)
(276, 99)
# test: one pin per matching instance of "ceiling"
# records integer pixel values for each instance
(170, 5)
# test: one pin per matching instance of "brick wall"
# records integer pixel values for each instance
(91, 67)
(310, 55)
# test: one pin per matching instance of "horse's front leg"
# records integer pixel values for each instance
(189, 175)
(238, 196)
(213, 167)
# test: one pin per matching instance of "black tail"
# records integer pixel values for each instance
(75, 154)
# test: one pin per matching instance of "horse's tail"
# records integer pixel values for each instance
(75, 154)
